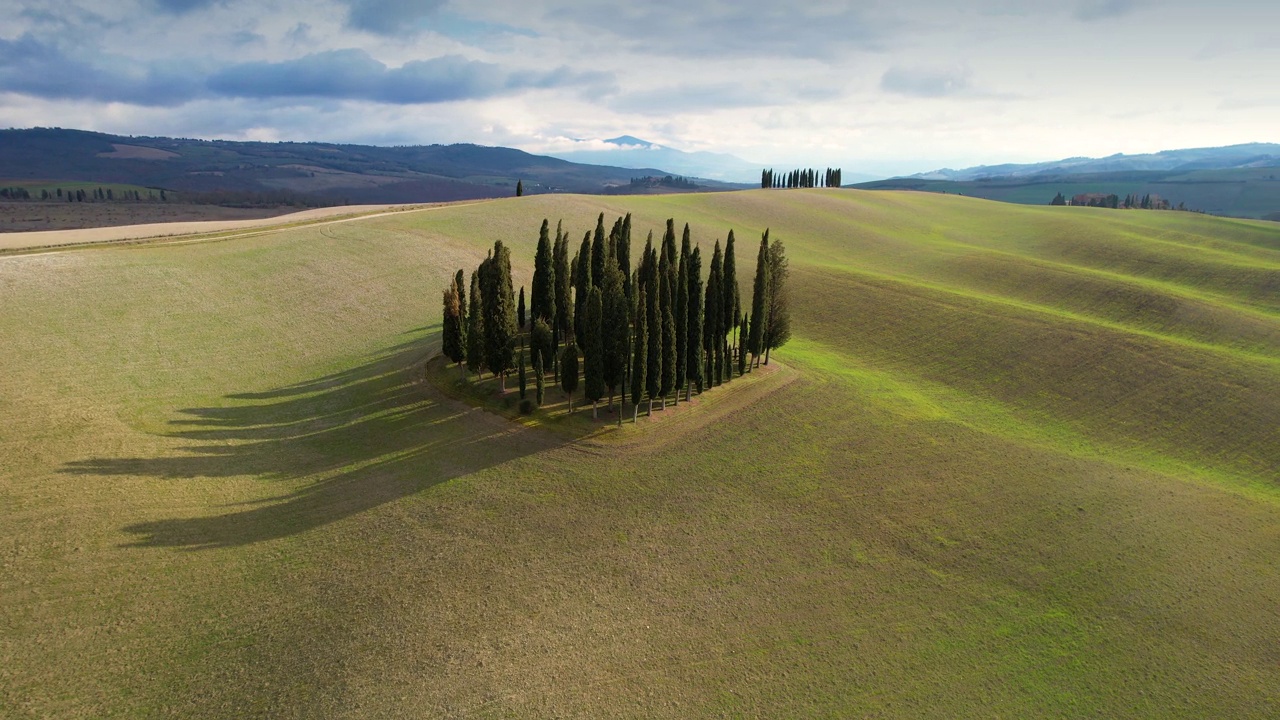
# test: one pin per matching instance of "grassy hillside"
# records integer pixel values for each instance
(1020, 461)
(1252, 192)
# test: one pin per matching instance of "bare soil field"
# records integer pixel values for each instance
(177, 225)
(24, 217)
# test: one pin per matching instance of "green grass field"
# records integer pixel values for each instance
(1016, 462)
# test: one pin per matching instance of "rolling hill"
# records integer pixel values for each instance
(1236, 181)
(1016, 461)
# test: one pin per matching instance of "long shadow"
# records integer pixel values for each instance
(360, 438)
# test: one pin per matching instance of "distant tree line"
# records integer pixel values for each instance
(800, 178)
(673, 181)
(81, 195)
(1112, 200)
(649, 333)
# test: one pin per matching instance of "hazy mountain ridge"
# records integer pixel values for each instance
(1211, 158)
(332, 171)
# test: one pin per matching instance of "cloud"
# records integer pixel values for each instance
(354, 75)
(759, 28)
(31, 67)
(1094, 10)
(925, 82)
(180, 7)
(390, 17)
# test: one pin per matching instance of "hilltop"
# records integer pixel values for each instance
(1021, 463)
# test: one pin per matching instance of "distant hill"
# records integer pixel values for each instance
(1215, 158)
(323, 171)
(1237, 181)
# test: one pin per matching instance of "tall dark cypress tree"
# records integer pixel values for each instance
(542, 295)
(742, 354)
(649, 273)
(524, 378)
(732, 309)
(539, 377)
(614, 329)
(639, 355)
(460, 286)
(599, 253)
(593, 349)
(541, 341)
(759, 301)
(693, 342)
(520, 315)
(450, 326)
(778, 331)
(560, 275)
(475, 328)
(582, 283)
(666, 309)
(713, 316)
(569, 371)
(682, 314)
(498, 299)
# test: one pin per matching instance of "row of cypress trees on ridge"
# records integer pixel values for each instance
(650, 332)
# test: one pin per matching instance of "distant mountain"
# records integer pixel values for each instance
(330, 172)
(631, 152)
(1237, 180)
(1215, 158)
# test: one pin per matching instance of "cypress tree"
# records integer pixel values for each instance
(666, 303)
(614, 328)
(519, 188)
(561, 320)
(760, 301)
(520, 318)
(778, 330)
(451, 326)
(693, 341)
(581, 282)
(593, 348)
(460, 286)
(742, 355)
(499, 312)
(649, 273)
(732, 309)
(540, 339)
(475, 328)
(539, 381)
(542, 298)
(524, 380)
(622, 254)
(639, 356)
(599, 254)
(682, 314)
(569, 371)
(713, 316)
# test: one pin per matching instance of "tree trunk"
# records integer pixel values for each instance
(688, 388)
(766, 355)
(635, 413)
(650, 413)
(570, 404)
(503, 381)
(594, 416)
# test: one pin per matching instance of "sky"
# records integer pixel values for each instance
(881, 88)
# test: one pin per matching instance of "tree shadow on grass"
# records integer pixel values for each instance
(355, 439)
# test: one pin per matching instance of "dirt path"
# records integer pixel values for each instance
(91, 236)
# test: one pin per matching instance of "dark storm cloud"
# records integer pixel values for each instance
(925, 82)
(354, 75)
(31, 67)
